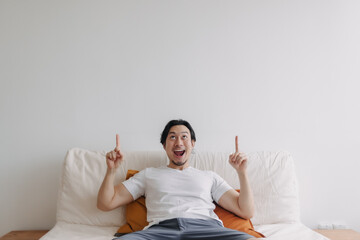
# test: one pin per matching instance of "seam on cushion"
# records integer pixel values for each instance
(61, 184)
(90, 225)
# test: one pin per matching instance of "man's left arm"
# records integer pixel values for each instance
(241, 204)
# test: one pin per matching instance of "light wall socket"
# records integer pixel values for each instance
(340, 226)
(325, 226)
(329, 226)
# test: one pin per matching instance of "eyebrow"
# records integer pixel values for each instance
(180, 132)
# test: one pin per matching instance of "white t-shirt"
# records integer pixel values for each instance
(172, 193)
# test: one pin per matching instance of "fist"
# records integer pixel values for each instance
(238, 160)
(115, 157)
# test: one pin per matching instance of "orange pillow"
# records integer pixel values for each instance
(136, 217)
(232, 221)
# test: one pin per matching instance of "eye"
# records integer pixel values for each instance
(172, 137)
(184, 136)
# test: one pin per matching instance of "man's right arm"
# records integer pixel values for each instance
(110, 196)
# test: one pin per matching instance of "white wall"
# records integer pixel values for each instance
(281, 74)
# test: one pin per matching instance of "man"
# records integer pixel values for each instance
(179, 198)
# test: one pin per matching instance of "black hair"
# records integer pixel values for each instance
(172, 123)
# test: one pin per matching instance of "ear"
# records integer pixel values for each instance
(193, 143)
(164, 145)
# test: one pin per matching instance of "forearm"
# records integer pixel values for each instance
(106, 191)
(245, 200)
(111, 196)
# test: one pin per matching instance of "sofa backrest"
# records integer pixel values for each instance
(271, 174)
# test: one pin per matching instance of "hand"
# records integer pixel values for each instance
(238, 160)
(115, 157)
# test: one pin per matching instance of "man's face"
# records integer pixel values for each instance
(178, 146)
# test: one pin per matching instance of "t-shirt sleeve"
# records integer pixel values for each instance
(219, 187)
(136, 184)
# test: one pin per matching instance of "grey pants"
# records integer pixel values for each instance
(186, 229)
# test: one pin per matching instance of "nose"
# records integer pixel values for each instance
(178, 142)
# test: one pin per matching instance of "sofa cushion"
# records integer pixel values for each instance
(82, 175)
(272, 178)
(271, 174)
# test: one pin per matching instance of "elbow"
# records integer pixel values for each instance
(246, 216)
(249, 214)
(102, 207)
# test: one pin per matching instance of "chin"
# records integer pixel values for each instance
(179, 163)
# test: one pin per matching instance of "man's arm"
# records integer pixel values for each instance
(241, 204)
(110, 196)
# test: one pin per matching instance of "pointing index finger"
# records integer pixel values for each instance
(117, 142)
(236, 144)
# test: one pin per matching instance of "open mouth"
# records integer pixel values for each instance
(179, 153)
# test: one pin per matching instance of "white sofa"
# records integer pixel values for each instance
(271, 174)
